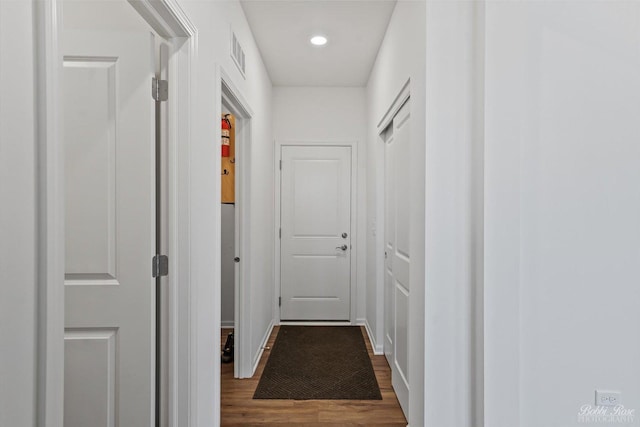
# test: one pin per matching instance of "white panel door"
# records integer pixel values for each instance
(109, 142)
(397, 259)
(316, 233)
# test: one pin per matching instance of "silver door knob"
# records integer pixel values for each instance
(343, 247)
(344, 235)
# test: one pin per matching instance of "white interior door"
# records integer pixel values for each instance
(109, 141)
(316, 233)
(397, 257)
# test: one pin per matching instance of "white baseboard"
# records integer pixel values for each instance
(314, 323)
(227, 324)
(378, 349)
(265, 339)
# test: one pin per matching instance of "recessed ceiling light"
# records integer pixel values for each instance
(318, 40)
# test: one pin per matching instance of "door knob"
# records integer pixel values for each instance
(343, 247)
(344, 235)
(236, 259)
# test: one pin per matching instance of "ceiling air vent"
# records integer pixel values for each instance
(237, 53)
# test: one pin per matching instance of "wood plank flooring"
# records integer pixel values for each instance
(238, 408)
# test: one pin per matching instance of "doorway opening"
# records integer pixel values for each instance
(394, 272)
(228, 225)
(235, 143)
(114, 131)
(108, 179)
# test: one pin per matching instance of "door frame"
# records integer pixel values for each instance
(401, 98)
(168, 19)
(231, 96)
(388, 120)
(354, 223)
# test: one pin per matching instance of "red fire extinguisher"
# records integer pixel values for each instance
(226, 126)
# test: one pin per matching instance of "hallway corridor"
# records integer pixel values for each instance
(239, 409)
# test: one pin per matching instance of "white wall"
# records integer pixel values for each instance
(329, 114)
(214, 21)
(435, 45)
(17, 215)
(103, 15)
(453, 395)
(401, 57)
(562, 209)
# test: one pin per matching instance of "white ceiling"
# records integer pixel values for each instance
(283, 28)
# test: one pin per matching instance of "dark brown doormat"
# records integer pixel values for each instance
(318, 362)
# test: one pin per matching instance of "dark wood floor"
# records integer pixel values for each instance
(239, 409)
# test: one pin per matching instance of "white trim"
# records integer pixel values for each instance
(378, 349)
(380, 244)
(315, 323)
(478, 379)
(50, 222)
(232, 97)
(395, 106)
(265, 340)
(165, 17)
(277, 157)
(168, 19)
(227, 324)
(355, 239)
(182, 332)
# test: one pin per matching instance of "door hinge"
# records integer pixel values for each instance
(160, 266)
(280, 233)
(279, 301)
(159, 89)
(280, 164)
